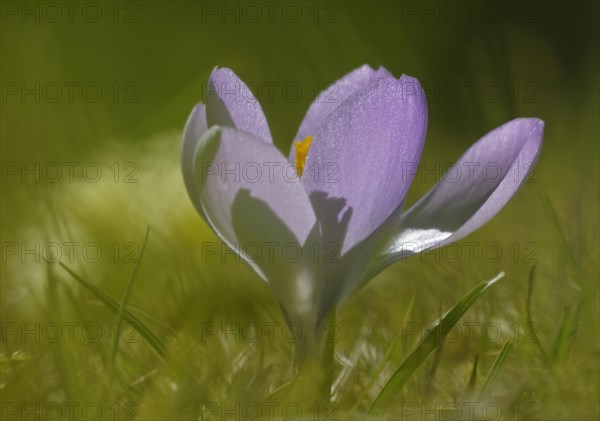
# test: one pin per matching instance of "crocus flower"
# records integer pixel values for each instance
(329, 216)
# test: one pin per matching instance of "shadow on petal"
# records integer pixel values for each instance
(333, 220)
(333, 216)
(269, 244)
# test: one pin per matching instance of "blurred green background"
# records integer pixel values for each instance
(107, 86)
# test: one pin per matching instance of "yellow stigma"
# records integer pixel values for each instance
(302, 147)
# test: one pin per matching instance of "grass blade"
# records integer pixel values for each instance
(329, 355)
(431, 339)
(146, 333)
(493, 373)
(387, 355)
(566, 331)
(559, 226)
(473, 378)
(436, 360)
(530, 321)
(126, 296)
(62, 353)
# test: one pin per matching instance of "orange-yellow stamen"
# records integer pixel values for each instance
(302, 147)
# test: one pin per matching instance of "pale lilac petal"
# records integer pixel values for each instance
(332, 97)
(361, 152)
(473, 191)
(193, 131)
(230, 165)
(260, 211)
(230, 103)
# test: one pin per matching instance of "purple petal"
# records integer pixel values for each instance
(254, 203)
(230, 103)
(193, 131)
(473, 191)
(332, 97)
(360, 154)
(232, 165)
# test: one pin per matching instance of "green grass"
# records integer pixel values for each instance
(432, 339)
(171, 365)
